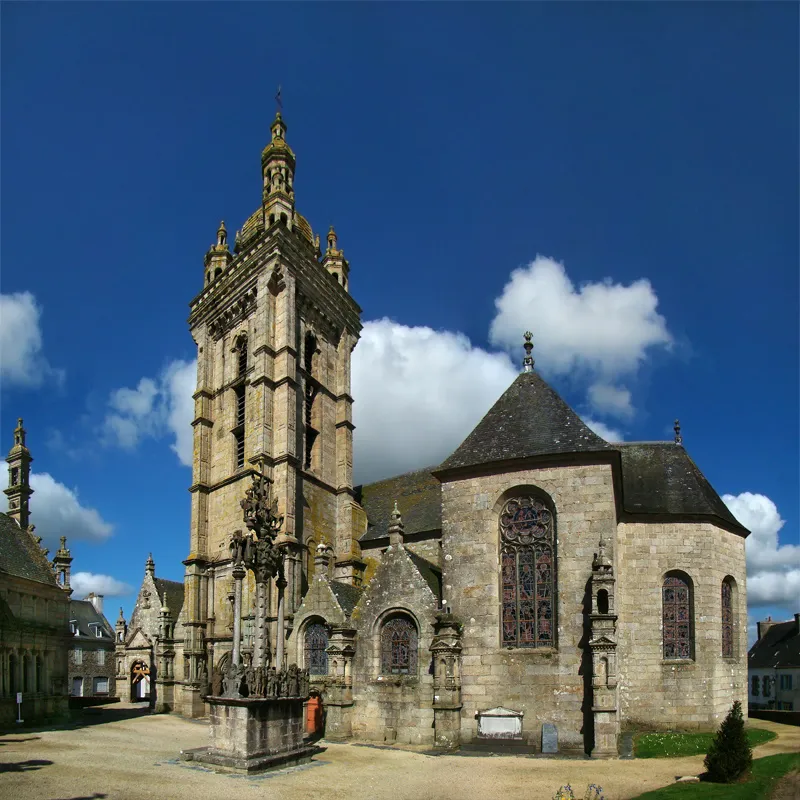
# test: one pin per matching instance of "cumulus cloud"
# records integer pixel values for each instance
(603, 430)
(600, 332)
(85, 582)
(21, 360)
(419, 393)
(773, 569)
(159, 407)
(56, 511)
(612, 400)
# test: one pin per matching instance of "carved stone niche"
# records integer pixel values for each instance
(499, 723)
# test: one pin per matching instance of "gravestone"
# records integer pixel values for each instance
(549, 738)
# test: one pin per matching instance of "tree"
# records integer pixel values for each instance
(730, 755)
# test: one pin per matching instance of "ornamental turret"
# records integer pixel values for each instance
(277, 171)
(334, 260)
(218, 256)
(19, 478)
(61, 565)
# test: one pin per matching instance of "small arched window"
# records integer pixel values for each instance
(726, 601)
(676, 612)
(528, 561)
(602, 602)
(399, 647)
(316, 643)
(241, 354)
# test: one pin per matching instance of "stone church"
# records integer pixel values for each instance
(541, 585)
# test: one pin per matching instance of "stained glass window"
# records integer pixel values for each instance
(677, 619)
(316, 645)
(727, 619)
(528, 574)
(399, 647)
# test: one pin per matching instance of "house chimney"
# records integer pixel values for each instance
(764, 626)
(97, 601)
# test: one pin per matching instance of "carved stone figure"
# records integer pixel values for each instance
(292, 681)
(272, 683)
(282, 683)
(216, 682)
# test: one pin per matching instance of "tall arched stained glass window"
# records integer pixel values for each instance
(399, 647)
(528, 574)
(727, 618)
(676, 611)
(316, 645)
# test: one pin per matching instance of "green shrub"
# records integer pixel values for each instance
(729, 756)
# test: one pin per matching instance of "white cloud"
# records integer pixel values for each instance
(773, 570)
(56, 511)
(85, 582)
(21, 360)
(155, 408)
(613, 400)
(603, 430)
(599, 331)
(418, 393)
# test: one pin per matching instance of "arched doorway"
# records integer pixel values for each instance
(140, 681)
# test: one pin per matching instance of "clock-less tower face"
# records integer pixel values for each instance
(275, 328)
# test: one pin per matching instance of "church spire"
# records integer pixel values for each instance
(19, 474)
(277, 171)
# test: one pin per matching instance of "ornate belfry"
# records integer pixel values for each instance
(603, 645)
(275, 327)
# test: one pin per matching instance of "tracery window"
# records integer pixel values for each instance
(727, 618)
(676, 609)
(399, 647)
(315, 648)
(528, 573)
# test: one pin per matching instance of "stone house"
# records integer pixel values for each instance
(539, 579)
(91, 655)
(773, 666)
(34, 606)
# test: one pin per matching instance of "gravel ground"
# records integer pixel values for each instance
(124, 753)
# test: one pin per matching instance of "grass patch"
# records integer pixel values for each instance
(675, 745)
(758, 786)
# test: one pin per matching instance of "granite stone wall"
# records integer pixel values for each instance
(547, 685)
(680, 694)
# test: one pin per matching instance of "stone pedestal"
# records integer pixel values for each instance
(253, 735)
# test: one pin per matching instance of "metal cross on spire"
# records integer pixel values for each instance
(278, 99)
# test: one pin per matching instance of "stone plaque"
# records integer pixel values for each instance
(499, 723)
(549, 738)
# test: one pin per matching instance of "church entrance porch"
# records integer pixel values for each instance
(140, 681)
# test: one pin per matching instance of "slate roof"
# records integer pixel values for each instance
(661, 478)
(346, 595)
(529, 419)
(778, 647)
(419, 500)
(84, 614)
(21, 556)
(174, 592)
(430, 572)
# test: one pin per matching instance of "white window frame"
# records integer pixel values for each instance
(77, 655)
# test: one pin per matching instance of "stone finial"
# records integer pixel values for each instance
(677, 429)
(121, 617)
(222, 235)
(164, 607)
(150, 566)
(322, 560)
(528, 362)
(601, 557)
(396, 527)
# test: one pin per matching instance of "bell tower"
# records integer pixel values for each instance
(19, 478)
(274, 329)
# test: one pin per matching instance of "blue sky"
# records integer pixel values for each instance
(622, 179)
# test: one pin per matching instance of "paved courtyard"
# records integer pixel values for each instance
(124, 753)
